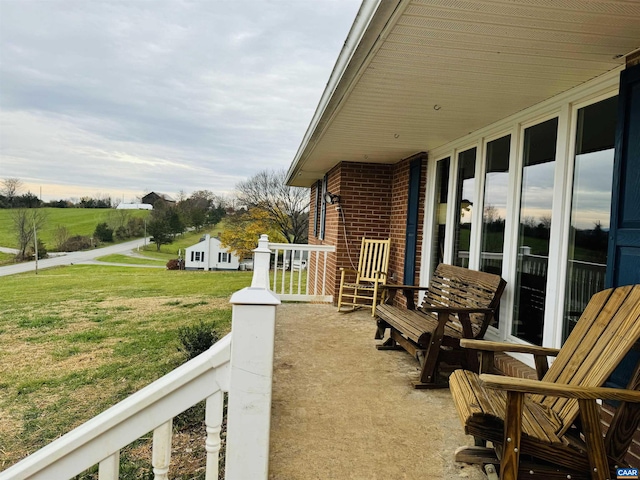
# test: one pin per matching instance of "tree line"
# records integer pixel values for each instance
(261, 204)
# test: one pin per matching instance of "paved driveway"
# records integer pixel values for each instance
(71, 258)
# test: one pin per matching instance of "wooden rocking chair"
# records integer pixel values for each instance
(370, 276)
(533, 424)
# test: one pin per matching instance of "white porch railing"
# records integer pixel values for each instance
(241, 364)
(299, 272)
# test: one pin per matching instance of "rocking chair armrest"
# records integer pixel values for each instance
(488, 346)
(525, 385)
(349, 270)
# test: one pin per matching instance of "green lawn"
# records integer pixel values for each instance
(116, 258)
(78, 339)
(169, 251)
(79, 221)
(6, 258)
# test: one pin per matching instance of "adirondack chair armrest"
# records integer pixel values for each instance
(525, 385)
(488, 346)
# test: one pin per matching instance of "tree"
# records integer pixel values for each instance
(10, 188)
(243, 229)
(286, 207)
(24, 222)
(158, 228)
(103, 232)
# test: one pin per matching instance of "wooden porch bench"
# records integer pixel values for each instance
(459, 303)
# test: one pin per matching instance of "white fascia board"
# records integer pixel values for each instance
(342, 76)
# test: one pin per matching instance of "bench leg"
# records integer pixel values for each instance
(389, 344)
(429, 374)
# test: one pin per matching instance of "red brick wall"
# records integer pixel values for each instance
(373, 201)
(398, 222)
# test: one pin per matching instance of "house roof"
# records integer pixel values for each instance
(164, 196)
(414, 75)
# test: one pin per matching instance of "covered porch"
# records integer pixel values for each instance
(342, 409)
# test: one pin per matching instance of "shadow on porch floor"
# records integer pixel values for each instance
(344, 410)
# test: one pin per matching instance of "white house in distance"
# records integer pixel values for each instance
(208, 254)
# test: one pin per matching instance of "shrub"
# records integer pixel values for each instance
(173, 264)
(30, 254)
(196, 339)
(103, 232)
(73, 244)
(121, 233)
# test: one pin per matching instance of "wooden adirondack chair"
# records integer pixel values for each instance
(532, 424)
(371, 274)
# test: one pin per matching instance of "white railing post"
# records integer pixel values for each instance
(252, 345)
(161, 455)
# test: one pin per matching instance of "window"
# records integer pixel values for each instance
(495, 205)
(316, 209)
(224, 257)
(464, 205)
(539, 155)
(442, 189)
(590, 207)
(198, 256)
(323, 207)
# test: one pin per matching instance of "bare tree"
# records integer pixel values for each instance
(10, 188)
(25, 220)
(287, 207)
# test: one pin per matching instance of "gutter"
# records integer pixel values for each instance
(362, 41)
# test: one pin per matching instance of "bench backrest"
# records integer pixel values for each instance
(452, 286)
(606, 331)
(374, 258)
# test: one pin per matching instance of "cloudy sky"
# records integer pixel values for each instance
(121, 97)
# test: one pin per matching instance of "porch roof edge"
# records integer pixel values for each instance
(372, 18)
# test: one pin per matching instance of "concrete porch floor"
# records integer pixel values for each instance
(344, 410)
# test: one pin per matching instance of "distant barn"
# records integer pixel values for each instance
(152, 197)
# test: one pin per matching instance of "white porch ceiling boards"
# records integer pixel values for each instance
(478, 60)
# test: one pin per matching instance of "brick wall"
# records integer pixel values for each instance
(398, 222)
(373, 203)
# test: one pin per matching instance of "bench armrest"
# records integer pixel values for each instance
(390, 286)
(524, 385)
(489, 346)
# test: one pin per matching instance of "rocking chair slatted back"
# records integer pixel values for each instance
(374, 259)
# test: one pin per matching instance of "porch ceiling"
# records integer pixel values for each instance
(478, 61)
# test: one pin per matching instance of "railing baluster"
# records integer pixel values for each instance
(109, 468)
(161, 456)
(324, 274)
(213, 421)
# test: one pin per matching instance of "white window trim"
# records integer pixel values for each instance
(565, 107)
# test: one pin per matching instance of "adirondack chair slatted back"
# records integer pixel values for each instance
(606, 331)
(374, 259)
(457, 287)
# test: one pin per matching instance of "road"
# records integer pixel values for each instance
(71, 258)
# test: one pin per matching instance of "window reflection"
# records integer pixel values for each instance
(442, 189)
(495, 205)
(534, 230)
(590, 207)
(464, 206)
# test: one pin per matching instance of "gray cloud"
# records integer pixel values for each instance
(166, 95)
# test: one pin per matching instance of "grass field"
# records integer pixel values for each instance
(76, 340)
(169, 251)
(79, 221)
(116, 258)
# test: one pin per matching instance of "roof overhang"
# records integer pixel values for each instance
(414, 75)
